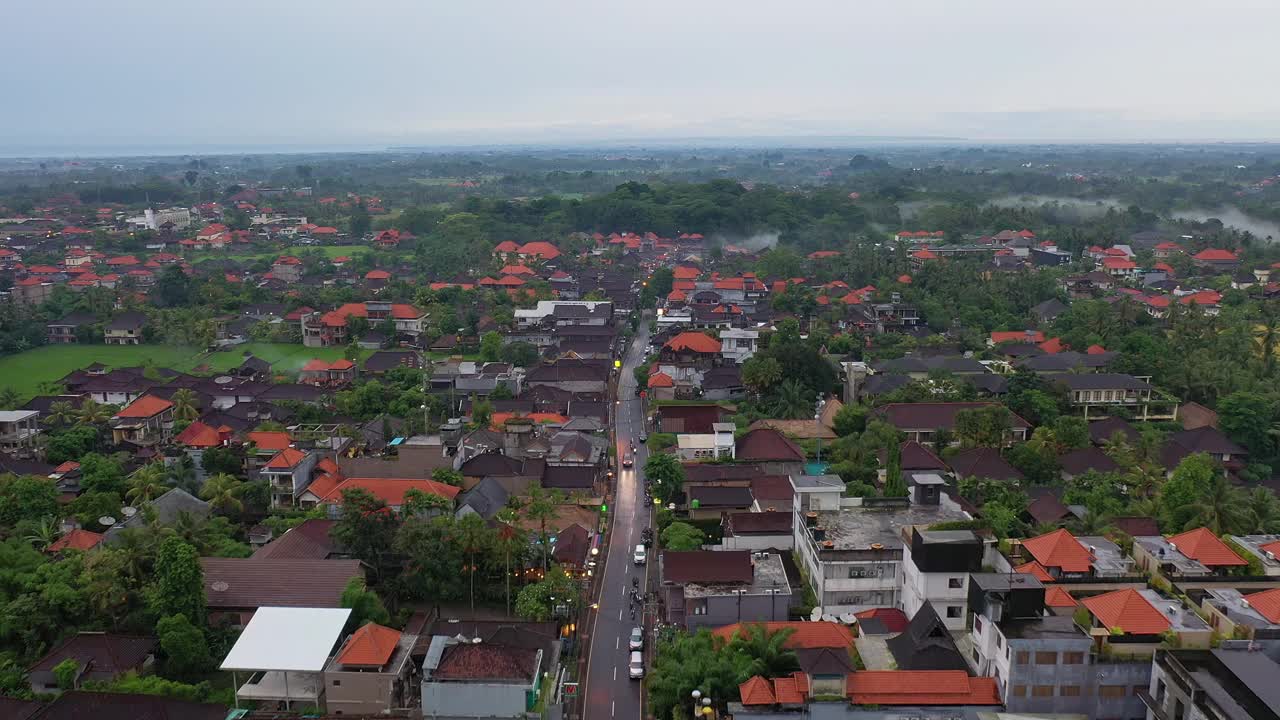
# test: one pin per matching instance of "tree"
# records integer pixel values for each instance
(419, 503)
(185, 405)
(172, 288)
(666, 476)
(222, 460)
(1071, 432)
(67, 673)
(491, 346)
(1221, 508)
(520, 354)
(178, 588)
(70, 444)
(93, 414)
(223, 491)
(794, 400)
(26, 497)
(432, 560)
(185, 648)
(101, 473)
(760, 374)
(541, 507)
(687, 662)
(366, 527)
(366, 606)
(43, 533)
(982, 427)
(1186, 487)
(481, 413)
(894, 484)
(850, 420)
(765, 651)
(555, 595)
(59, 414)
(476, 540)
(447, 475)
(683, 536)
(146, 484)
(1247, 418)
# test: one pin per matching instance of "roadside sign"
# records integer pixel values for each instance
(570, 689)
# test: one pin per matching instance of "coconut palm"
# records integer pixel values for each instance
(222, 491)
(474, 538)
(541, 507)
(43, 533)
(60, 413)
(147, 483)
(794, 401)
(1222, 509)
(185, 405)
(92, 413)
(182, 474)
(510, 540)
(1263, 511)
(8, 398)
(766, 651)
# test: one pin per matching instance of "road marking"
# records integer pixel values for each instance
(612, 707)
(617, 645)
(619, 616)
(615, 672)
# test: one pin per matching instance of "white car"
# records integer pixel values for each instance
(637, 639)
(636, 666)
(640, 555)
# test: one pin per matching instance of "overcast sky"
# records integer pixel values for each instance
(133, 72)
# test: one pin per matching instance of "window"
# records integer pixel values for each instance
(955, 583)
(1069, 691)
(977, 623)
(1111, 691)
(1019, 690)
(337, 683)
(1046, 658)
(955, 611)
(1042, 691)
(1024, 657)
(1072, 658)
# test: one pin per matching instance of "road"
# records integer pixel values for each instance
(609, 691)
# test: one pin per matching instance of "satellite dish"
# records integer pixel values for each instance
(222, 379)
(816, 614)
(106, 520)
(219, 586)
(129, 511)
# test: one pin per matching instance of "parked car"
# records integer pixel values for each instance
(637, 639)
(640, 555)
(636, 666)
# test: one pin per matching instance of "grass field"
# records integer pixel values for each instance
(25, 372)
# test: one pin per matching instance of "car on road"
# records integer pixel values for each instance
(644, 437)
(637, 639)
(636, 666)
(640, 555)
(628, 459)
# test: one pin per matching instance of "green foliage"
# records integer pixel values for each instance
(1071, 432)
(178, 587)
(894, 484)
(366, 606)
(520, 354)
(131, 683)
(1247, 418)
(682, 536)
(26, 497)
(70, 444)
(101, 474)
(66, 672)
(665, 475)
(850, 420)
(186, 651)
(983, 427)
(1190, 482)
(555, 595)
(366, 527)
(491, 346)
(448, 476)
(684, 663)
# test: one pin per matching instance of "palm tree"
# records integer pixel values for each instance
(43, 534)
(184, 405)
(182, 474)
(1221, 509)
(1263, 511)
(541, 507)
(473, 537)
(8, 398)
(146, 484)
(60, 413)
(222, 491)
(509, 539)
(92, 413)
(794, 400)
(766, 651)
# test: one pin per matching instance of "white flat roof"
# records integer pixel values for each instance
(16, 415)
(290, 639)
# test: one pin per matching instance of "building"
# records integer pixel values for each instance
(1097, 393)
(289, 473)
(1236, 614)
(329, 329)
(709, 588)
(143, 422)
(1263, 548)
(99, 657)
(1135, 622)
(125, 329)
(738, 345)
(935, 569)
(1223, 684)
(369, 674)
(921, 420)
(65, 330)
(715, 445)
(284, 650)
(19, 430)
(853, 556)
(1195, 553)
(236, 589)
(490, 679)
(1060, 554)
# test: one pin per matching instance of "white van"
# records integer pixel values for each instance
(636, 666)
(640, 555)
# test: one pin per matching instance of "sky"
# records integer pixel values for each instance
(139, 73)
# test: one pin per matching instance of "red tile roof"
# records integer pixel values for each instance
(894, 620)
(1060, 549)
(920, 687)
(199, 435)
(145, 407)
(1001, 336)
(498, 420)
(1036, 570)
(684, 272)
(389, 490)
(661, 380)
(269, 439)
(506, 246)
(544, 250)
(819, 254)
(804, 636)
(1128, 611)
(1267, 603)
(788, 691)
(1215, 254)
(757, 691)
(370, 646)
(286, 458)
(695, 342)
(76, 540)
(1206, 548)
(1057, 596)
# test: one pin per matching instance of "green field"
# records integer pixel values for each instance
(25, 372)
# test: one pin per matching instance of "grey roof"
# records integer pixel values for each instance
(926, 644)
(167, 509)
(485, 499)
(881, 384)
(1050, 308)
(713, 496)
(1101, 381)
(127, 321)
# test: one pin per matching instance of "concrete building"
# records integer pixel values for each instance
(1264, 548)
(19, 430)
(479, 679)
(935, 568)
(370, 672)
(738, 345)
(1229, 683)
(716, 445)
(708, 588)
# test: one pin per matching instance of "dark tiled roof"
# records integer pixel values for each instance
(696, 418)
(1207, 440)
(926, 644)
(719, 496)
(103, 654)
(491, 463)
(765, 445)
(706, 472)
(254, 583)
(772, 490)
(79, 704)
(384, 360)
(985, 463)
(486, 498)
(760, 523)
(569, 477)
(1047, 509)
(1101, 431)
(1136, 526)
(915, 456)
(486, 661)
(707, 566)
(308, 541)
(932, 416)
(1078, 462)
(15, 709)
(1100, 381)
(882, 384)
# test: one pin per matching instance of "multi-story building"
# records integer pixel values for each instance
(709, 588)
(1229, 683)
(143, 422)
(738, 345)
(330, 328)
(125, 329)
(1100, 393)
(1195, 553)
(370, 672)
(936, 565)
(289, 473)
(19, 430)
(1264, 548)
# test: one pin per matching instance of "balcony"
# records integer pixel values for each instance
(1157, 710)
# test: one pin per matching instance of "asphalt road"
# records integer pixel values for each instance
(609, 691)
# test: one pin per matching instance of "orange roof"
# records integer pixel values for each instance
(1129, 611)
(1271, 547)
(516, 270)
(757, 691)
(920, 687)
(804, 636)
(377, 275)
(1001, 336)
(370, 646)
(661, 380)
(198, 434)
(269, 439)
(1060, 549)
(544, 250)
(819, 254)
(389, 490)
(904, 279)
(498, 420)
(1215, 254)
(286, 458)
(684, 272)
(1206, 548)
(76, 540)
(509, 281)
(925, 254)
(506, 246)
(1053, 346)
(1267, 603)
(787, 689)
(694, 342)
(1035, 570)
(1056, 596)
(145, 407)
(676, 295)
(1095, 350)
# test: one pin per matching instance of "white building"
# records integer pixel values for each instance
(738, 345)
(935, 569)
(715, 445)
(153, 219)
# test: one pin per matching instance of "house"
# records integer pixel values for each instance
(235, 588)
(370, 672)
(310, 540)
(384, 361)
(125, 329)
(288, 473)
(919, 421)
(983, 462)
(339, 373)
(817, 635)
(1208, 440)
(690, 349)
(492, 679)
(716, 445)
(327, 491)
(79, 704)
(769, 448)
(1234, 614)
(927, 644)
(1216, 259)
(935, 572)
(687, 418)
(1195, 553)
(1047, 311)
(763, 530)
(166, 510)
(283, 652)
(99, 657)
(950, 688)
(1059, 554)
(1135, 620)
(1221, 684)
(19, 431)
(1265, 549)
(329, 329)
(738, 345)
(708, 588)
(76, 539)
(1089, 459)
(67, 329)
(143, 422)
(1098, 392)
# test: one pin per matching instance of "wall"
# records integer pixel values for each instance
(917, 587)
(354, 693)
(729, 609)
(757, 542)
(459, 699)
